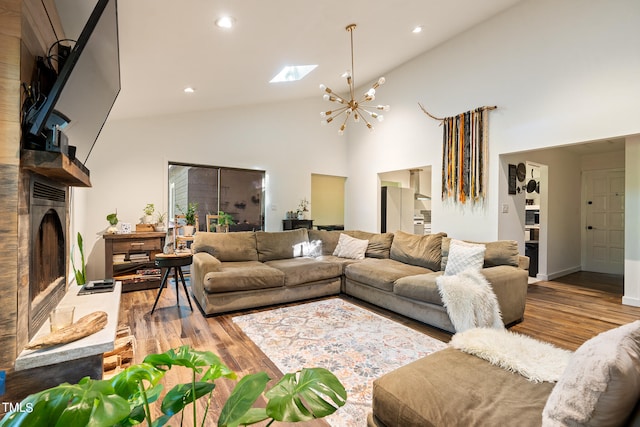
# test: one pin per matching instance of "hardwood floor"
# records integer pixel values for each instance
(565, 312)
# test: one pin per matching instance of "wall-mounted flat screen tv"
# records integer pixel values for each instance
(86, 87)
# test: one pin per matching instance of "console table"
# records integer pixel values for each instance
(292, 224)
(130, 258)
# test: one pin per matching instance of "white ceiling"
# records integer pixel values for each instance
(166, 46)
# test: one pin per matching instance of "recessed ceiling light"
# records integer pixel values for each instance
(417, 29)
(292, 73)
(189, 89)
(225, 22)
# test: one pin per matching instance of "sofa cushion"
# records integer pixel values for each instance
(452, 388)
(350, 247)
(342, 262)
(305, 270)
(463, 256)
(601, 384)
(379, 243)
(329, 239)
(280, 244)
(421, 287)
(500, 252)
(381, 273)
(424, 251)
(231, 247)
(242, 276)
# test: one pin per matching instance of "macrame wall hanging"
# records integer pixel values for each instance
(465, 141)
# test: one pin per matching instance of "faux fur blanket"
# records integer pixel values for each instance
(470, 301)
(535, 360)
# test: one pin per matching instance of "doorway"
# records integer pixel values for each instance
(405, 200)
(327, 201)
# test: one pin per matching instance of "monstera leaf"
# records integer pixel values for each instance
(302, 396)
(89, 403)
(305, 395)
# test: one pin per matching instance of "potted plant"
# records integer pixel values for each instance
(224, 221)
(113, 222)
(148, 213)
(189, 217)
(81, 275)
(127, 398)
(161, 224)
(303, 209)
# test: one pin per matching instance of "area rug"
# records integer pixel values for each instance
(355, 344)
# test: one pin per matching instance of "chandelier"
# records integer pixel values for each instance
(353, 108)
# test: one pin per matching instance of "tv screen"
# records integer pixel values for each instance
(87, 84)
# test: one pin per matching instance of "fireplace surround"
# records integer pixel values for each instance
(48, 248)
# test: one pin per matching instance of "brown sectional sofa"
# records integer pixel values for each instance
(234, 271)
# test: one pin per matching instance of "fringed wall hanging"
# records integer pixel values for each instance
(465, 141)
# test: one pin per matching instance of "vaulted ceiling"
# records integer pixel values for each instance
(166, 46)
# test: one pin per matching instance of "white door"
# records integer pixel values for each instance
(604, 221)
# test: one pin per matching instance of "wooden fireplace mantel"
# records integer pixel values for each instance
(55, 166)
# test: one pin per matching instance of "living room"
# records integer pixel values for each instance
(560, 74)
(545, 97)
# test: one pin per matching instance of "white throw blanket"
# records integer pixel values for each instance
(535, 360)
(470, 301)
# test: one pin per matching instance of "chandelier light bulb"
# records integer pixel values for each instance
(326, 97)
(380, 117)
(381, 80)
(322, 87)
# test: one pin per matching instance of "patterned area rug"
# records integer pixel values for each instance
(355, 344)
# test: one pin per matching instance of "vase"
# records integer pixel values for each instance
(300, 215)
(188, 230)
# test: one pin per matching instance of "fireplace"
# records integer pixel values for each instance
(48, 251)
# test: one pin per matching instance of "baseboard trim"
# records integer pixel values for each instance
(555, 275)
(635, 302)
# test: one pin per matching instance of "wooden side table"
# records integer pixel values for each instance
(175, 261)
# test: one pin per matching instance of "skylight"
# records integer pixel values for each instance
(292, 73)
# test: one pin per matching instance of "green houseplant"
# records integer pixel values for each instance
(148, 213)
(224, 221)
(113, 221)
(161, 224)
(81, 274)
(126, 399)
(189, 217)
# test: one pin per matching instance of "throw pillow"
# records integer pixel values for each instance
(499, 252)
(350, 247)
(463, 256)
(601, 384)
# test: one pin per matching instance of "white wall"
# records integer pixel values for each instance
(129, 162)
(559, 72)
